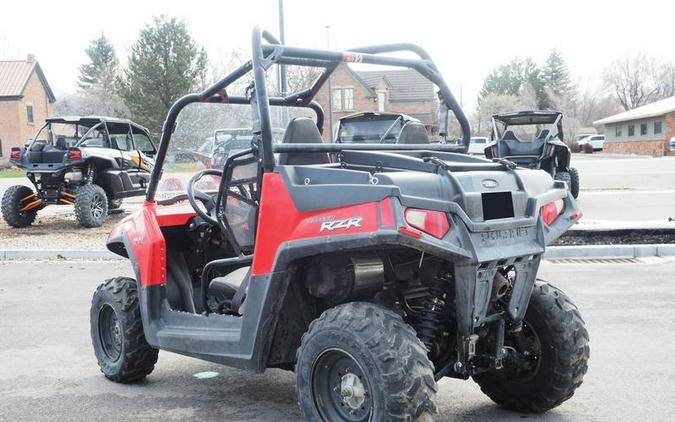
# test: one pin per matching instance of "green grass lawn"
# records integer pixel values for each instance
(12, 173)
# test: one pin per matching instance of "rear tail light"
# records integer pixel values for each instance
(434, 223)
(551, 211)
(74, 154)
(15, 154)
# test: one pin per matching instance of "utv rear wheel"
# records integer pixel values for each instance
(18, 206)
(361, 362)
(567, 178)
(117, 335)
(552, 350)
(91, 205)
(574, 182)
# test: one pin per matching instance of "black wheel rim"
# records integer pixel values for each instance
(525, 344)
(340, 389)
(96, 206)
(110, 332)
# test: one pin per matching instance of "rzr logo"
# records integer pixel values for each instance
(345, 224)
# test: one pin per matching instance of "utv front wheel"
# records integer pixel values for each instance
(547, 358)
(117, 335)
(91, 206)
(361, 362)
(19, 207)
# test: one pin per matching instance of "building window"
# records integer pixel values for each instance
(29, 113)
(0, 148)
(337, 99)
(643, 128)
(617, 131)
(348, 99)
(631, 130)
(658, 128)
(381, 102)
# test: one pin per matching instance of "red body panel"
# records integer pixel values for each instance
(147, 243)
(279, 221)
(387, 214)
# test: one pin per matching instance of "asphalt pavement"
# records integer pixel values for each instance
(626, 188)
(48, 370)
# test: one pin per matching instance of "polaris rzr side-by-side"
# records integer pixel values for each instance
(90, 162)
(372, 275)
(534, 139)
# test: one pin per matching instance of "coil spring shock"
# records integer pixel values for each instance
(428, 312)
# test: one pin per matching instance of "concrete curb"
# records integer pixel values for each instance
(609, 251)
(553, 252)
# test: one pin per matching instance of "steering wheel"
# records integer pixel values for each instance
(194, 194)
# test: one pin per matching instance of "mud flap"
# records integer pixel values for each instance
(526, 274)
(473, 285)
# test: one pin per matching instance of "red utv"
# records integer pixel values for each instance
(372, 277)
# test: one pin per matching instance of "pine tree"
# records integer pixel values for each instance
(102, 59)
(556, 75)
(510, 79)
(165, 64)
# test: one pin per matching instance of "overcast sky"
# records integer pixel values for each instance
(467, 39)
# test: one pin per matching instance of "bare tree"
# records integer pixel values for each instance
(490, 105)
(638, 80)
(98, 98)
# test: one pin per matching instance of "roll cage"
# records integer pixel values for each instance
(527, 118)
(89, 124)
(267, 51)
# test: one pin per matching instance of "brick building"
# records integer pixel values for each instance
(25, 102)
(396, 91)
(646, 130)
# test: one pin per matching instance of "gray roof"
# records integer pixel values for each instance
(655, 109)
(91, 120)
(14, 76)
(404, 85)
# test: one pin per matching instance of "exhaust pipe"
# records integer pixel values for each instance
(500, 285)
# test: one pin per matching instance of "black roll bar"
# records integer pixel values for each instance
(273, 52)
(330, 60)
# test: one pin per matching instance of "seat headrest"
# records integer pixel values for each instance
(543, 134)
(413, 133)
(61, 143)
(302, 130)
(508, 135)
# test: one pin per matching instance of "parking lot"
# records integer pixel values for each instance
(49, 371)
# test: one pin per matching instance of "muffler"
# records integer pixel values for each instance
(341, 277)
(500, 286)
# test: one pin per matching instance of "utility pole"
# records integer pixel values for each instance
(330, 92)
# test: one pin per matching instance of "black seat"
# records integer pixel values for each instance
(302, 130)
(413, 133)
(543, 134)
(510, 146)
(61, 143)
(232, 288)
